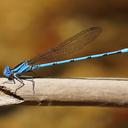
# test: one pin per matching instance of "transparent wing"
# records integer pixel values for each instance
(68, 49)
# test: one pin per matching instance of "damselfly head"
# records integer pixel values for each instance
(7, 71)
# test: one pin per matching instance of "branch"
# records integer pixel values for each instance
(68, 91)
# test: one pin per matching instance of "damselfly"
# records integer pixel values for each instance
(65, 52)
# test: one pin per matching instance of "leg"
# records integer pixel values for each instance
(22, 84)
(33, 84)
(29, 78)
(14, 83)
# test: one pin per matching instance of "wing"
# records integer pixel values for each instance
(69, 48)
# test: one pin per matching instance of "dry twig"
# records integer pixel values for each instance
(67, 91)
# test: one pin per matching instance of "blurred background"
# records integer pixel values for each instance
(29, 27)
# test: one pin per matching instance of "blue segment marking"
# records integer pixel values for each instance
(38, 66)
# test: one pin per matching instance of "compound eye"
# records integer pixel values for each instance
(7, 71)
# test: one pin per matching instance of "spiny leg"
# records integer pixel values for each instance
(22, 84)
(33, 84)
(29, 78)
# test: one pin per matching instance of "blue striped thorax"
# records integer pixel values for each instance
(20, 68)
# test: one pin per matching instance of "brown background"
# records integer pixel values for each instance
(29, 27)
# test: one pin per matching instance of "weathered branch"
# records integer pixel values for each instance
(67, 91)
